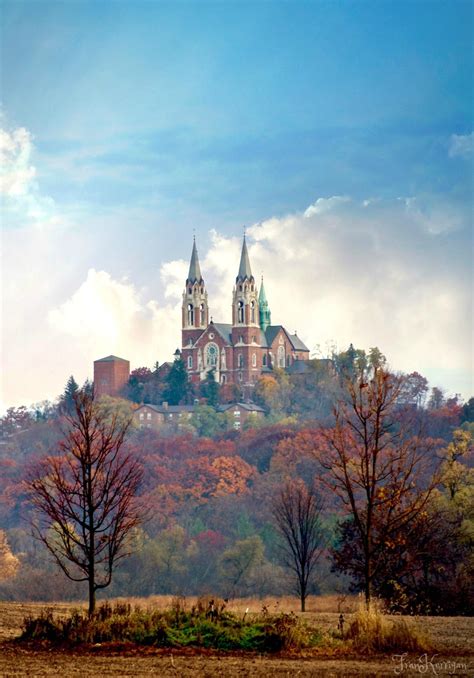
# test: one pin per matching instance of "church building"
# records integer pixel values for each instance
(241, 351)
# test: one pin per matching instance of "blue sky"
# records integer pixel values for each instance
(146, 120)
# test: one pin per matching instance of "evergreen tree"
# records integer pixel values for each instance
(177, 385)
(67, 400)
(209, 389)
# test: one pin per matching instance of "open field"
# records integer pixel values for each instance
(452, 638)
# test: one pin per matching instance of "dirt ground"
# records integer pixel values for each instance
(453, 638)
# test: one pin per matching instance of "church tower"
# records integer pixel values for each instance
(245, 323)
(195, 311)
(245, 300)
(265, 314)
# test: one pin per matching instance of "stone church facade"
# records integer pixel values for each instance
(241, 351)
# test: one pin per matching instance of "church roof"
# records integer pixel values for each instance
(245, 272)
(298, 345)
(272, 331)
(250, 407)
(225, 330)
(194, 274)
(111, 359)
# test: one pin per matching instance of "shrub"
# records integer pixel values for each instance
(373, 631)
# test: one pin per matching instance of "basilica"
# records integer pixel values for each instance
(241, 351)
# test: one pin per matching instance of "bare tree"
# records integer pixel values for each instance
(379, 467)
(297, 513)
(84, 497)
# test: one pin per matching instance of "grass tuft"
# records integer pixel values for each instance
(373, 631)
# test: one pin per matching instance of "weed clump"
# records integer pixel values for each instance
(373, 631)
(207, 624)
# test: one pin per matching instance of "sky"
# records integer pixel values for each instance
(338, 134)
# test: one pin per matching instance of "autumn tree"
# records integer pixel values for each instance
(297, 514)
(9, 563)
(378, 467)
(84, 496)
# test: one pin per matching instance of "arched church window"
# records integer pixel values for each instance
(203, 314)
(240, 288)
(264, 360)
(281, 356)
(190, 362)
(252, 311)
(190, 314)
(190, 290)
(223, 379)
(212, 355)
(254, 360)
(240, 360)
(287, 360)
(240, 312)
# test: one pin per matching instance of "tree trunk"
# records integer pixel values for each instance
(91, 594)
(303, 596)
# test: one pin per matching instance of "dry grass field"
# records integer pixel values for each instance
(452, 641)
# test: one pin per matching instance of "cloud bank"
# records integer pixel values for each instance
(372, 273)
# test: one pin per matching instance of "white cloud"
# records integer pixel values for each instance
(23, 204)
(461, 145)
(324, 205)
(106, 316)
(17, 172)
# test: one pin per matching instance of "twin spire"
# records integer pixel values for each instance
(245, 273)
(194, 274)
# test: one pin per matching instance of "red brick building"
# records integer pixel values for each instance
(238, 352)
(110, 375)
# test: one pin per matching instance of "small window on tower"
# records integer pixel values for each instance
(240, 312)
(240, 360)
(190, 362)
(190, 314)
(264, 360)
(254, 360)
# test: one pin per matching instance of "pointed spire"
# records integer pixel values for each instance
(194, 274)
(265, 315)
(244, 269)
(262, 297)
